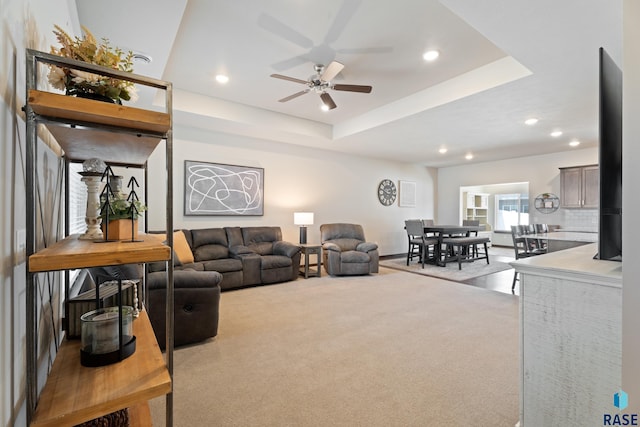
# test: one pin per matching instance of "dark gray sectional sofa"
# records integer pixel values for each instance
(245, 256)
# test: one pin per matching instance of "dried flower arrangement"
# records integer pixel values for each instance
(87, 49)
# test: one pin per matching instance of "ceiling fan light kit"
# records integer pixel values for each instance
(320, 83)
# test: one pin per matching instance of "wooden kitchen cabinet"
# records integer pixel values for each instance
(579, 187)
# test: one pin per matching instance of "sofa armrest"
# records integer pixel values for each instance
(331, 247)
(285, 248)
(367, 246)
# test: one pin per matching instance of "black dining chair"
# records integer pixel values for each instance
(419, 242)
(474, 223)
(522, 247)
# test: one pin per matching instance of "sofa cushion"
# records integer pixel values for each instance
(180, 246)
(346, 244)
(354, 257)
(208, 252)
(222, 265)
(209, 243)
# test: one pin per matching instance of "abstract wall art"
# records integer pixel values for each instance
(219, 189)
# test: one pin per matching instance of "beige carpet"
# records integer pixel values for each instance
(392, 349)
(450, 271)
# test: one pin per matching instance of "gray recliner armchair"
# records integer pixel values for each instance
(345, 250)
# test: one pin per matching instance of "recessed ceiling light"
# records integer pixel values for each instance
(442, 150)
(574, 143)
(431, 55)
(532, 121)
(469, 156)
(324, 107)
(556, 133)
(222, 79)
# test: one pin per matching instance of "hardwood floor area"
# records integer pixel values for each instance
(502, 280)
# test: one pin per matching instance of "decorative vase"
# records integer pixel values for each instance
(120, 229)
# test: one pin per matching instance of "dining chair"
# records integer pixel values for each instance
(415, 241)
(473, 223)
(418, 240)
(541, 229)
(522, 248)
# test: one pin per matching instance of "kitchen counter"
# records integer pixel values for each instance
(560, 240)
(570, 337)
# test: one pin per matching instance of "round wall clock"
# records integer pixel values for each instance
(387, 192)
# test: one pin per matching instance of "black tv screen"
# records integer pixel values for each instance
(610, 225)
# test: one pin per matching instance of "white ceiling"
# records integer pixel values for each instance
(501, 62)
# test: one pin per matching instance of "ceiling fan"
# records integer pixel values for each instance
(321, 82)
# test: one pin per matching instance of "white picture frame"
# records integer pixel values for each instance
(407, 196)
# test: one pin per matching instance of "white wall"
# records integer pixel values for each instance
(541, 172)
(337, 188)
(631, 206)
(23, 23)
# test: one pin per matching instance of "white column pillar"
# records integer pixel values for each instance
(92, 217)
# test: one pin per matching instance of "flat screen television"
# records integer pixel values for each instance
(610, 211)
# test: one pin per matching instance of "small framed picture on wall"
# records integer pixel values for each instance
(407, 197)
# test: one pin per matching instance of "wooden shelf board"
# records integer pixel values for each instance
(74, 394)
(72, 253)
(89, 111)
(80, 144)
(140, 415)
(85, 142)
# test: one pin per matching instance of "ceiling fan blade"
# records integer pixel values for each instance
(289, 63)
(343, 16)
(275, 26)
(291, 79)
(326, 99)
(295, 95)
(353, 88)
(331, 70)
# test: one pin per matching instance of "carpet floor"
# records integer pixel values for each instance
(390, 349)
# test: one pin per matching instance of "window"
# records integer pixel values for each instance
(512, 209)
(77, 208)
(77, 200)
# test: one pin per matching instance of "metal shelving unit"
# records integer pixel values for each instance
(121, 136)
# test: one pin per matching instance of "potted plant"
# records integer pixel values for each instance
(90, 85)
(123, 214)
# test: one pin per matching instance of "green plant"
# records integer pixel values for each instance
(87, 49)
(121, 209)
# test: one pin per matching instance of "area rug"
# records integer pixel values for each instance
(469, 270)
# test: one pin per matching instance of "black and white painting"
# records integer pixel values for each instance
(219, 189)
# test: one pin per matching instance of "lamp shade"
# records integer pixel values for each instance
(303, 218)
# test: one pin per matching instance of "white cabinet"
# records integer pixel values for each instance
(579, 187)
(476, 207)
(570, 337)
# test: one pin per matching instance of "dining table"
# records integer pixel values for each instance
(442, 231)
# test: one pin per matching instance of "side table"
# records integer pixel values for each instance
(308, 250)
